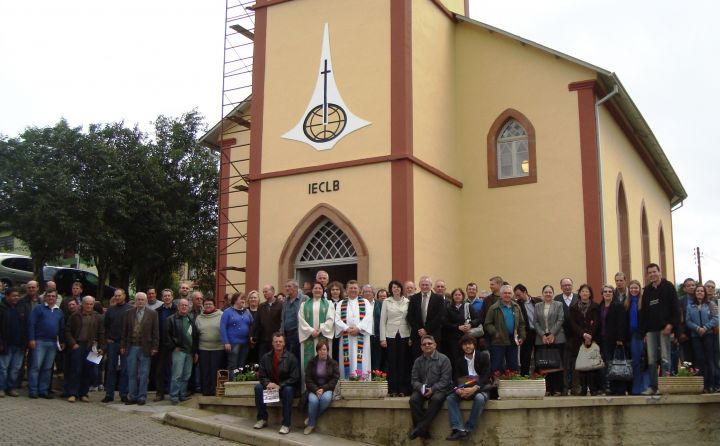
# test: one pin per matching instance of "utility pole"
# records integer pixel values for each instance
(697, 254)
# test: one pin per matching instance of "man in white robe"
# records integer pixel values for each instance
(321, 325)
(353, 329)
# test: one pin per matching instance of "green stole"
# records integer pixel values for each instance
(309, 343)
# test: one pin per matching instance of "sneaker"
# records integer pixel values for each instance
(84, 399)
(184, 398)
(2, 394)
(260, 424)
(71, 399)
(649, 391)
(101, 387)
(284, 430)
(308, 430)
(307, 421)
(93, 389)
(456, 435)
(13, 393)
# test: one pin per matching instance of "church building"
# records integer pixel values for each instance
(389, 139)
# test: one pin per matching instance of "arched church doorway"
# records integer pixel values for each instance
(324, 239)
(327, 248)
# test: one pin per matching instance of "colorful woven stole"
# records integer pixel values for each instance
(309, 343)
(346, 337)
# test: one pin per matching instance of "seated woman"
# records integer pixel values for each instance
(321, 377)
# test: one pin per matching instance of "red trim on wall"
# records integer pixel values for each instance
(444, 10)
(262, 4)
(401, 140)
(590, 181)
(467, 8)
(252, 257)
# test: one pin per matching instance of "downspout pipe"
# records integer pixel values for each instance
(600, 187)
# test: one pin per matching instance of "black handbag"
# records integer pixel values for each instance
(619, 368)
(547, 358)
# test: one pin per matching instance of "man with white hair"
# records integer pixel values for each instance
(323, 278)
(426, 313)
(289, 317)
(140, 341)
(83, 331)
(506, 328)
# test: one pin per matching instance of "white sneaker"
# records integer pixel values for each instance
(307, 421)
(308, 430)
(284, 430)
(260, 424)
(101, 388)
(92, 389)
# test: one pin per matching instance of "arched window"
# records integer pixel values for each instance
(511, 150)
(645, 237)
(326, 246)
(623, 230)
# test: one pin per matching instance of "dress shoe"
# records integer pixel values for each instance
(141, 402)
(13, 393)
(130, 402)
(47, 396)
(84, 399)
(2, 393)
(413, 434)
(456, 435)
(124, 399)
(71, 399)
(32, 396)
(184, 398)
(107, 399)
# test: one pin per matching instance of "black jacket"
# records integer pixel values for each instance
(482, 368)
(289, 371)
(333, 374)
(615, 324)
(23, 309)
(434, 320)
(567, 325)
(659, 308)
(174, 335)
(114, 318)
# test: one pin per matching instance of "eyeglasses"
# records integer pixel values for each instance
(425, 344)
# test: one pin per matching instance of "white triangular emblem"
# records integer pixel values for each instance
(327, 119)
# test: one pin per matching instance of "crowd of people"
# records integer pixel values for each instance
(435, 346)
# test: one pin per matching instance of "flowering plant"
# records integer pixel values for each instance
(379, 375)
(685, 370)
(246, 373)
(358, 375)
(510, 375)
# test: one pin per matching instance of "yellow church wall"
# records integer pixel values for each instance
(457, 6)
(362, 75)
(439, 241)
(432, 85)
(513, 231)
(363, 199)
(618, 156)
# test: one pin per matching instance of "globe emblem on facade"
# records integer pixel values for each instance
(324, 122)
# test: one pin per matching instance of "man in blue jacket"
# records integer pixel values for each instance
(14, 316)
(45, 328)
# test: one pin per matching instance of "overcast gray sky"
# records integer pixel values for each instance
(98, 61)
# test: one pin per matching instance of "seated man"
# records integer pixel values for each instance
(431, 381)
(278, 370)
(472, 374)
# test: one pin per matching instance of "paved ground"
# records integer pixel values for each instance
(56, 422)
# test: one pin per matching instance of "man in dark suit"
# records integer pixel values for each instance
(426, 313)
(139, 342)
(568, 299)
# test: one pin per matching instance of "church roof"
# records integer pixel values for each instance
(645, 140)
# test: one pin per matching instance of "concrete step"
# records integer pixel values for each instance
(239, 429)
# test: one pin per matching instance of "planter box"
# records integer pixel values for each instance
(363, 390)
(672, 385)
(240, 388)
(530, 389)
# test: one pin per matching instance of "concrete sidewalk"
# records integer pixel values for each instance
(238, 429)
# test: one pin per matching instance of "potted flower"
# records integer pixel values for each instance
(364, 385)
(243, 382)
(513, 385)
(686, 381)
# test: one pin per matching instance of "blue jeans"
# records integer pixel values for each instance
(640, 380)
(704, 355)
(316, 406)
(236, 358)
(111, 371)
(505, 357)
(138, 367)
(453, 406)
(655, 340)
(180, 373)
(78, 382)
(41, 362)
(10, 362)
(286, 398)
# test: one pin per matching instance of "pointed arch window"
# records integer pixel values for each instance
(511, 150)
(328, 244)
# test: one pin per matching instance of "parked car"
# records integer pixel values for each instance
(15, 269)
(65, 277)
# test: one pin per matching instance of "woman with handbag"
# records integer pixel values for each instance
(702, 319)
(633, 305)
(612, 337)
(455, 325)
(550, 340)
(584, 321)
